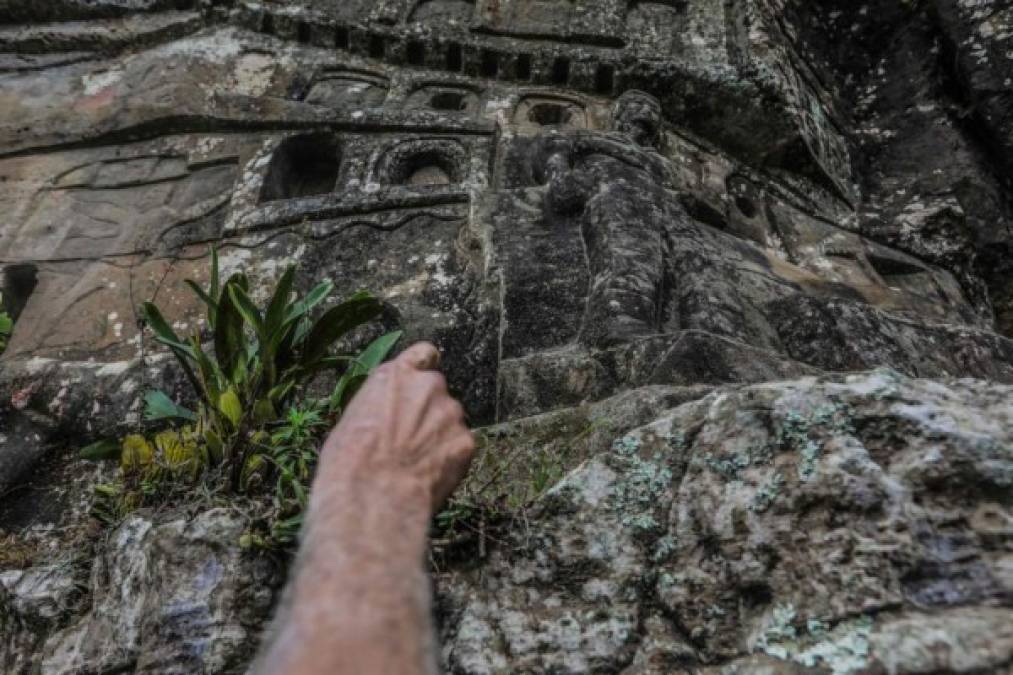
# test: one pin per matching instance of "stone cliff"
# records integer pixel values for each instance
(726, 284)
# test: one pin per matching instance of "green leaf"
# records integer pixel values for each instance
(249, 312)
(316, 295)
(346, 387)
(277, 308)
(163, 331)
(230, 342)
(215, 278)
(375, 353)
(211, 374)
(167, 336)
(336, 322)
(303, 373)
(252, 467)
(264, 412)
(107, 448)
(208, 300)
(281, 392)
(182, 350)
(215, 446)
(300, 493)
(6, 323)
(368, 359)
(231, 407)
(284, 531)
(158, 406)
(283, 343)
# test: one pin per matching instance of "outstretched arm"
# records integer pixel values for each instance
(359, 599)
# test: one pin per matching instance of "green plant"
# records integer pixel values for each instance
(293, 451)
(253, 425)
(6, 327)
(261, 358)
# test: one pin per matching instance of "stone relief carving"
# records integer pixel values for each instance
(534, 146)
(545, 110)
(554, 140)
(573, 199)
(617, 194)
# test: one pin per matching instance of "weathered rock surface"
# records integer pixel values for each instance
(599, 210)
(846, 524)
(843, 524)
(177, 596)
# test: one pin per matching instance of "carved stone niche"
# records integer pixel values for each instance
(302, 166)
(746, 216)
(655, 27)
(441, 12)
(449, 98)
(17, 283)
(348, 89)
(424, 161)
(535, 113)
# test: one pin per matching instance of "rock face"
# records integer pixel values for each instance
(171, 597)
(841, 524)
(606, 205)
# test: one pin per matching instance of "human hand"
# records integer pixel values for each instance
(403, 426)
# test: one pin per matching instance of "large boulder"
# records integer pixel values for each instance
(838, 524)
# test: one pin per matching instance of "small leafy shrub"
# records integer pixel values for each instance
(253, 430)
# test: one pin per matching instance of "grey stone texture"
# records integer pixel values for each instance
(847, 524)
(177, 596)
(599, 210)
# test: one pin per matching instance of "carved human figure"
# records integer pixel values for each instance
(617, 191)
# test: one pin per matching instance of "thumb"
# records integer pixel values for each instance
(421, 356)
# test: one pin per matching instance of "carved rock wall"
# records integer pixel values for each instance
(578, 201)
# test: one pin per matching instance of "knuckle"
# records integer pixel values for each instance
(424, 347)
(456, 410)
(435, 380)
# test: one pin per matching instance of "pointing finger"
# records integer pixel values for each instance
(421, 356)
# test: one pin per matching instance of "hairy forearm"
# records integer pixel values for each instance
(359, 600)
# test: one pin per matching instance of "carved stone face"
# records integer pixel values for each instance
(638, 115)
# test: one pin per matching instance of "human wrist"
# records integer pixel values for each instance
(357, 460)
(369, 507)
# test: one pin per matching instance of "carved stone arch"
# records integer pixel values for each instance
(444, 96)
(537, 111)
(423, 161)
(302, 166)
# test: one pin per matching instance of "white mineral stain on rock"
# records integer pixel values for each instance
(96, 83)
(254, 74)
(217, 47)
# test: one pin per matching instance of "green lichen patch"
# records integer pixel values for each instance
(842, 649)
(643, 465)
(767, 493)
(805, 434)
